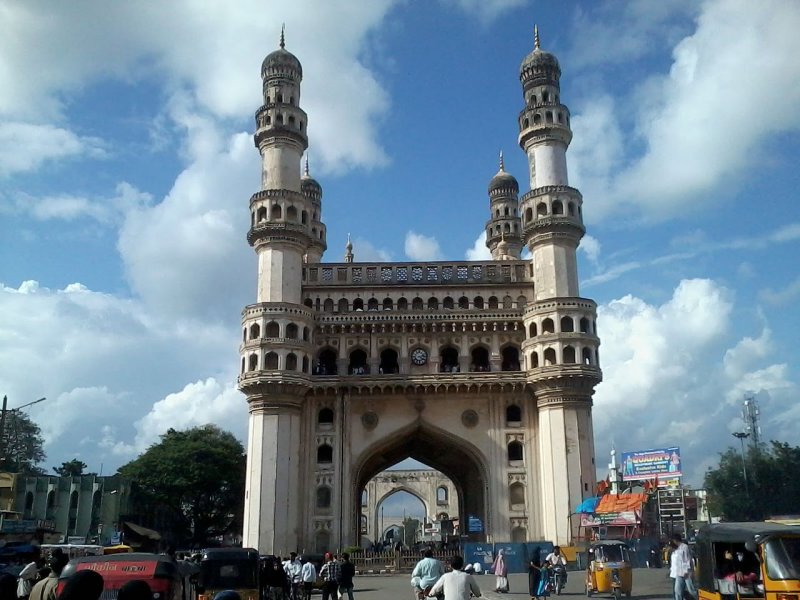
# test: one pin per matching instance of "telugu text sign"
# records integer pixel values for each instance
(649, 464)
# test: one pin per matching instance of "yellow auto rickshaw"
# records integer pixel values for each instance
(608, 569)
(748, 560)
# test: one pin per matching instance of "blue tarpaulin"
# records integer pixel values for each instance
(588, 506)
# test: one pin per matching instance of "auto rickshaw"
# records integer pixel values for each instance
(229, 569)
(609, 569)
(748, 560)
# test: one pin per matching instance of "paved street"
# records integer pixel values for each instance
(648, 584)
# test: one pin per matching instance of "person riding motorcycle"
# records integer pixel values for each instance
(426, 573)
(557, 564)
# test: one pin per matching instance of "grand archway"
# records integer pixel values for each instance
(456, 458)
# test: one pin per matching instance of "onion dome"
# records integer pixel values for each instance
(539, 63)
(503, 181)
(281, 61)
(308, 185)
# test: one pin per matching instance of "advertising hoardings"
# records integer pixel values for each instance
(664, 463)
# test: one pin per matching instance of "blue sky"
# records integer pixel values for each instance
(127, 163)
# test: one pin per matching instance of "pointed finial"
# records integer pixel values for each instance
(536, 37)
(349, 242)
(502, 164)
(305, 169)
(283, 39)
(348, 254)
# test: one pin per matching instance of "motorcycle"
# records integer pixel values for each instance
(558, 578)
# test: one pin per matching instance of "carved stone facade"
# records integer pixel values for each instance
(482, 370)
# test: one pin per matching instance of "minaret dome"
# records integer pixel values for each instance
(282, 62)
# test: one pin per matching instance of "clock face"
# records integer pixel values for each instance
(419, 356)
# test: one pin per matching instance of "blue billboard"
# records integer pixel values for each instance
(664, 463)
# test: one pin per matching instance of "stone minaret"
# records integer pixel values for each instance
(277, 331)
(504, 223)
(561, 341)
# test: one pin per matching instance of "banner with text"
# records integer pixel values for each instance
(664, 463)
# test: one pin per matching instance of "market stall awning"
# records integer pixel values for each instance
(613, 503)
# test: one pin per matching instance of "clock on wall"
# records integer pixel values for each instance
(419, 356)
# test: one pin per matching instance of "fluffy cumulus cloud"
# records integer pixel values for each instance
(672, 374)
(479, 250)
(422, 247)
(28, 146)
(696, 125)
(107, 360)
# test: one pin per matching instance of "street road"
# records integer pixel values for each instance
(648, 584)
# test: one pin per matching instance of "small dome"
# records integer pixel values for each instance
(538, 61)
(309, 185)
(503, 180)
(281, 60)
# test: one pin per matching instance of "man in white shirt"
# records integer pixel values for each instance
(680, 567)
(293, 568)
(308, 573)
(456, 585)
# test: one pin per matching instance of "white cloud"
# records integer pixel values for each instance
(366, 251)
(487, 10)
(210, 55)
(695, 124)
(784, 296)
(27, 146)
(670, 378)
(421, 247)
(479, 250)
(590, 246)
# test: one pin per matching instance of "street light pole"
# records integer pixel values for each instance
(741, 436)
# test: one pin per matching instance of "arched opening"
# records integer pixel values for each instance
(73, 501)
(291, 331)
(584, 325)
(558, 207)
(363, 523)
(343, 305)
(571, 209)
(400, 517)
(454, 457)
(541, 209)
(510, 359)
(493, 302)
(567, 325)
(273, 330)
(515, 451)
(255, 331)
(569, 355)
(532, 330)
(291, 362)
(549, 357)
(516, 496)
(325, 416)
(389, 364)
(433, 303)
(305, 364)
(448, 303)
(327, 306)
(308, 302)
(261, 215)
(275, 212)
(448, 360)
(303, 217)
(522, 302)
(478, 302)
(372, 304)
(442, 495)
(326, 362)
(480, 359)
(323, 497)
(528, 214)
(291, 214)
(387, 304)
(271, 361)
(513, 414)
(306, 333)
(358, 304)
(537, 119)
(402, 304)
(548, 326)
(324, 454)
(417, 304)
(508, 302)
(358, 363)
(586, 356)
(534, 360)
(364, 498)
(252, 362)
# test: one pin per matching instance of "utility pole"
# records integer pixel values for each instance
(751, 415)
(741, 436)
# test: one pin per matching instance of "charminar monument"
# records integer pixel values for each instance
(482, 370)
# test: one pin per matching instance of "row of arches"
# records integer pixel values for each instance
(417, 303)
(569, 356)
(281, 120)
(554, 208)
(507, 212)
(566, 323)
(273, 361)
(547, 116)
(327, 361)
(505, 228)
(546, 97)
(278, 98)
(288, 214)
(273, 329)
(326, 415)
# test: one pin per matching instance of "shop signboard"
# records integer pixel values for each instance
(662, 463)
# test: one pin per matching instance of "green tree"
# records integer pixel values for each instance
(197, 477)
(72, 468)
(22, 444)
(773, 486)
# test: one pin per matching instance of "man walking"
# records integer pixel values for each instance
(456, 585)
(309, 576)
(680, 567)
(330, 577)
(293, 568)
(346, 573)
